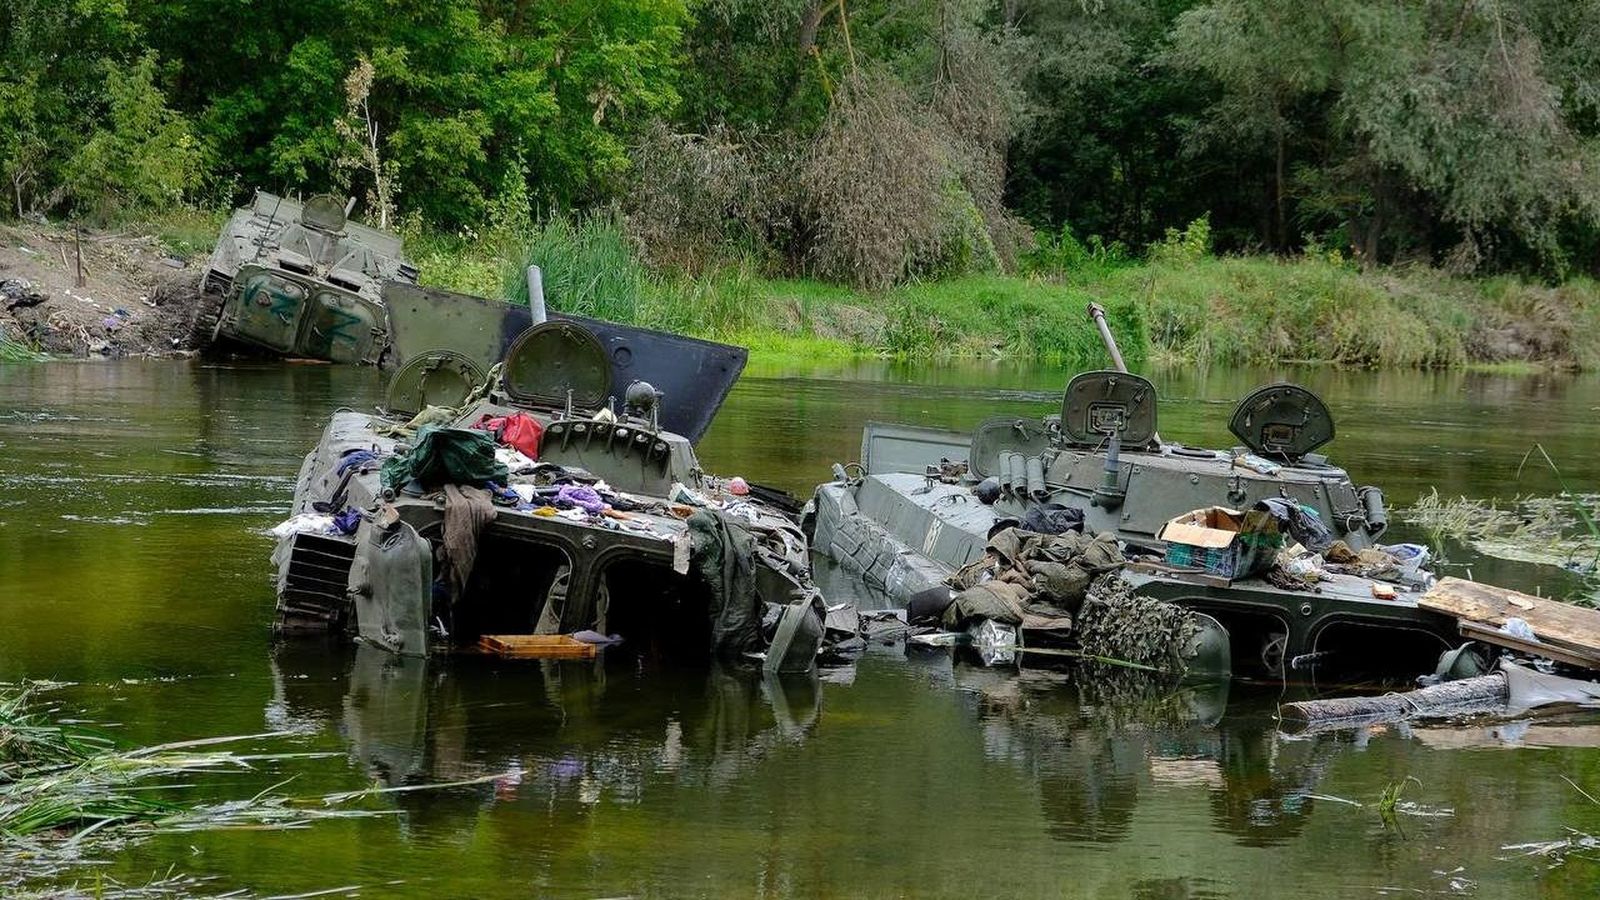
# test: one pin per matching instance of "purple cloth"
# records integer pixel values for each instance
(354, 458)
(348, 521)
(582, 496)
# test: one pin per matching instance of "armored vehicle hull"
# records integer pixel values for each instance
(300, 280)
(909, 515)
(499, 515)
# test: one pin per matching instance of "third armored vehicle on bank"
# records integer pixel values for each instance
(300, 279)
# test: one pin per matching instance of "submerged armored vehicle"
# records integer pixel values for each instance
(300, 279)
(554, 492)
(916, 508)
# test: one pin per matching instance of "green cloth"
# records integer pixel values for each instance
(442, 456)
(430, 415)
(722, 555)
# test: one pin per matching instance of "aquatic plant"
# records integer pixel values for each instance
(1553, 531)
(1389, 800)
(16, 351)
(66, 791)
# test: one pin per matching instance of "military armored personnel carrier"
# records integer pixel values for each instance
(592, 514)
(301, 280)
(901, 522)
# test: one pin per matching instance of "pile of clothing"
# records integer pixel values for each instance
(1025, 579)
(1298, 567)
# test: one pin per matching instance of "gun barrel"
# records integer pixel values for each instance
(1098, 314)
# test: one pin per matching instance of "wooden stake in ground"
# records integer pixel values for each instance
(77, 245)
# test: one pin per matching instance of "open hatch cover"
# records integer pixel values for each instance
(1282, 420)
(553, 360)
(1100, 403)
(694, 376)
(434, 378)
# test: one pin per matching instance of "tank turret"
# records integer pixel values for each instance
(1106, 458)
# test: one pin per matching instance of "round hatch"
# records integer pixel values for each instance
(1282, 420)
(434, 378)
(1099, 404)
(552, 358)
(324, 212)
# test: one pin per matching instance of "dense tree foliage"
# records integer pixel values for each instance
(870, 140)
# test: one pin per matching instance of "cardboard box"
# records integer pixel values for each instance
(1221, 541)
(1214, 527)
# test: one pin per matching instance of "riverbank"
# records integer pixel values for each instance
(1177, 309)
(113, 293)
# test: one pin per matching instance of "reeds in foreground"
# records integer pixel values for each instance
(67, 792)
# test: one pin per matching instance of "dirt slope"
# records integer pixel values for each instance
(136, 299)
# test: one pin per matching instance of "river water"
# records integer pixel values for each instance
(133, 570)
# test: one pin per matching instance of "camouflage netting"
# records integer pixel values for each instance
(1116, 624)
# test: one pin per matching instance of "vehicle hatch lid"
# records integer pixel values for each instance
(434, 378)
(693, 375)
(554, 360)
(1282, 420)
(1098, 403)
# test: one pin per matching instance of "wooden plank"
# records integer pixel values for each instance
(1553, 621)
(537, 646)
(1558, 652)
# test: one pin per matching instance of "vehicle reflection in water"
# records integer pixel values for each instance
(1093, 738)
(571, 734)
(562, 731)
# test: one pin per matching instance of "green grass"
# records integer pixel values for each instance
(1262, 310)
(183, 231)
(1184, 308)
(590, 268)
(1179, 306)
(15, 351)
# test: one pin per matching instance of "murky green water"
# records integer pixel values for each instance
(133, 564)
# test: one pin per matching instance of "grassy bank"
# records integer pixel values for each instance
(1184, 307)
(1181, 305)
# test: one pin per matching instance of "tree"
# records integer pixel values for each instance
(1414, 121)
(22, 147)
(364, 151)
(142, 156)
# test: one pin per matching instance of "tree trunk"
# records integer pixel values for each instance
(805, 45)
(1374, 228)
(809, 21)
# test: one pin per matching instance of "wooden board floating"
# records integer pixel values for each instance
(1570, 633)
(536, 646)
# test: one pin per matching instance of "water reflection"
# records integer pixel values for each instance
(1093, 738)
(566, 732)
(566, 736)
